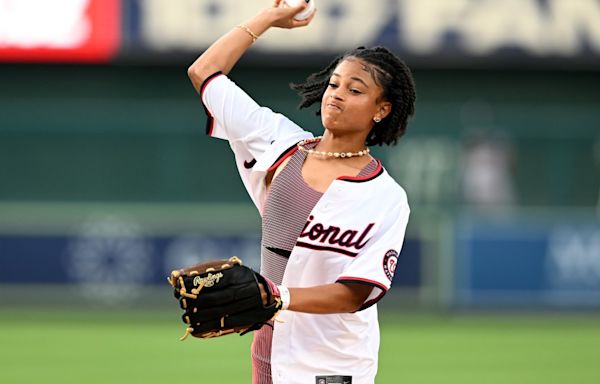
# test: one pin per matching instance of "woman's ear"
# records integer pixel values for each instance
(384, 109)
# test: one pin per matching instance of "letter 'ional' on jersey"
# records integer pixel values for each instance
(333, 235)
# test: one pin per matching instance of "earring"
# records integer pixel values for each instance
(377, 119)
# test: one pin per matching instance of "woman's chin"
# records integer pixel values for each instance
(330, 124)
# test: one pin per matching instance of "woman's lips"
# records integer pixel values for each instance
(334, 107)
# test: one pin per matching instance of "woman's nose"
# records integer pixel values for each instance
(336, 95)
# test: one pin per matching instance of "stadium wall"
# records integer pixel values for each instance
(111, 163)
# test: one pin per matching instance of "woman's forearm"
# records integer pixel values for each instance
(224, 53)
(227, 50)
(330, 298)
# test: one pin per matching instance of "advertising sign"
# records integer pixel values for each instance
(525, 263)
(110, 255)
(59, 30)
(424, 32)
(432, 32)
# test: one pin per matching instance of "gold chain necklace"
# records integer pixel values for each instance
(343, 155)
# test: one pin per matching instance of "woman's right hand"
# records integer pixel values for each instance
(282, 16)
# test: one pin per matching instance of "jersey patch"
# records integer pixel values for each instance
(389, 263)
(333, 380)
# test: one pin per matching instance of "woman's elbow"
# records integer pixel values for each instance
(354, 306)
(355, 297)
(197, 75)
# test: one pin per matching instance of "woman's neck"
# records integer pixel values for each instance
(341, 143)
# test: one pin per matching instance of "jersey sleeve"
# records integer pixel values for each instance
(376, 264)
(257, 136)
(234, 116)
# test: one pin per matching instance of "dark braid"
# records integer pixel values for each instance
(315, 85)
(389, 72)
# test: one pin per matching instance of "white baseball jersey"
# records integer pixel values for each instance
(353, 234)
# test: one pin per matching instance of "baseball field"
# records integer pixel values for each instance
(116, 346)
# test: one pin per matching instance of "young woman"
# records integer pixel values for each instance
(333, 219)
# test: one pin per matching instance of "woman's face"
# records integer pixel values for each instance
(352, 99)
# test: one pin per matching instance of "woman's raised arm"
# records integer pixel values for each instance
(227, 50)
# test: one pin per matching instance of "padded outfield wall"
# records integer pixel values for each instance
(104, 168)
(104, 165)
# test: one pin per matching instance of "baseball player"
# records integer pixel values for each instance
(333, 220)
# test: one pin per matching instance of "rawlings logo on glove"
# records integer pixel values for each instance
(222, 297)
(207, 281)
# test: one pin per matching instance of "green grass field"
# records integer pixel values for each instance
(113, 346)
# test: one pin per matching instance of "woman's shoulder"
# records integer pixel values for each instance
(390, 189)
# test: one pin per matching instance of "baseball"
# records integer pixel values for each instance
(304, 14)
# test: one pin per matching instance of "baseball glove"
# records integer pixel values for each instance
(222, 296)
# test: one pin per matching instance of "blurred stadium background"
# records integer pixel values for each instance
(107, 182)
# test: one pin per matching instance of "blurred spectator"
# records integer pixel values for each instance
(487, 177)
(487, 182)
(597, 161)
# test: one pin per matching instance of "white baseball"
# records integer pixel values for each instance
(303, 15)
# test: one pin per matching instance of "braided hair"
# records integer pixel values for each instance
(389, 72)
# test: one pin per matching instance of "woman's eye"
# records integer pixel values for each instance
(354, 90)
(332, 85)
